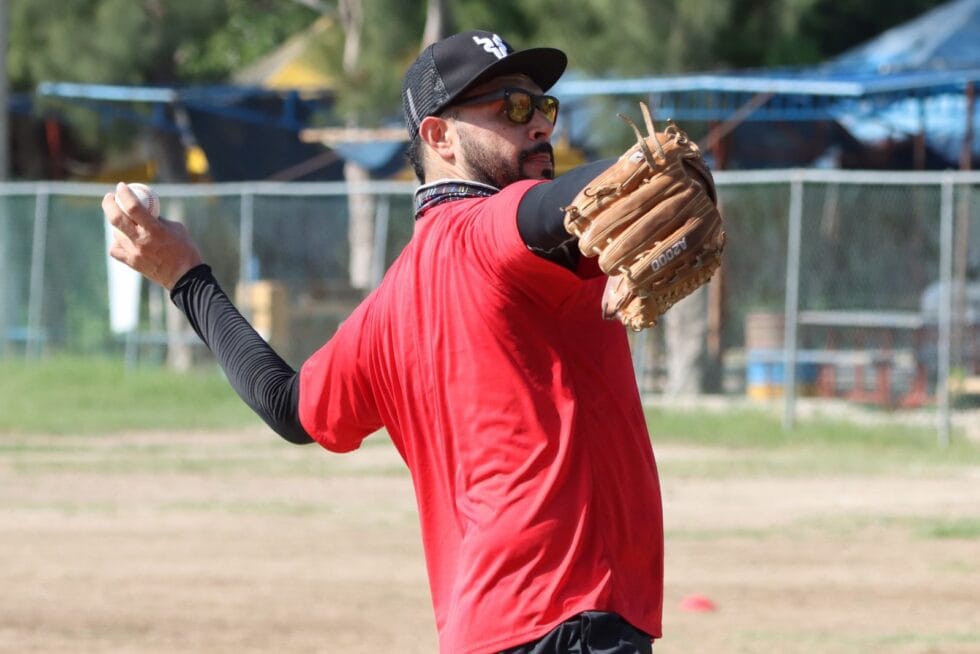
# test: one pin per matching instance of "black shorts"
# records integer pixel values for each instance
(592, 632)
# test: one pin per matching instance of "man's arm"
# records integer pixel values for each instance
(162, 251)
(258, 374)
(541, 215)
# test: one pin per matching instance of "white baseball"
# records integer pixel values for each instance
(147, 197)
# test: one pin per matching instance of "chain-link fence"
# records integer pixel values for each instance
(844, 284)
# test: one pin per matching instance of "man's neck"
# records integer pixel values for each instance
(434, 193)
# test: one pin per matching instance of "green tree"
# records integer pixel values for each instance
(149, 42)
(390, 38)
(608, 37)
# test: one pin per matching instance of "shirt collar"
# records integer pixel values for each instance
(447, 190)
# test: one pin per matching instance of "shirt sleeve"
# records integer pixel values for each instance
(337, 404)
(541, 216)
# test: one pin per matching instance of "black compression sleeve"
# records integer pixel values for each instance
(541, 215)
(263, 380)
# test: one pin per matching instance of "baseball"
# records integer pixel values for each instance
(147, 197)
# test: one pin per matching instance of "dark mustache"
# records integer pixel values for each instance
(540, 148)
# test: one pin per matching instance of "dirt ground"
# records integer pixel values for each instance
(214, 543)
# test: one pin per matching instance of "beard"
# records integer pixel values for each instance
(487, 167)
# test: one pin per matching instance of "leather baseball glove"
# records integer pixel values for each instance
(652, 219)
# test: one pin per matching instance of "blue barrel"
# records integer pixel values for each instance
(765, 375)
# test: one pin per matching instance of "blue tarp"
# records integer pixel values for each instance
(247, 133)
(941, 42)
(946, 38)
(909, 80)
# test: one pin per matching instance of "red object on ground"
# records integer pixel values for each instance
(697, 604)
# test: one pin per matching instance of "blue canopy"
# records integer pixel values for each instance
(944, 42)
(945, 38)
(916, 78)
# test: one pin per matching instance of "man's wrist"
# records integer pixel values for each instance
(197, 271)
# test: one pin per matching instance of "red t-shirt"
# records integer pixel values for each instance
(515, 406)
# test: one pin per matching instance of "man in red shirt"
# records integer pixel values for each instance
(485, 356)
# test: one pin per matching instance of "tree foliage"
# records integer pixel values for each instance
(143, 41)
(390, 38)
(161, 41)
(245, 31)
(607, 37)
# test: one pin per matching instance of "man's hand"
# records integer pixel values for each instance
(161, 250)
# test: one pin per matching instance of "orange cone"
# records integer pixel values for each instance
(697, 604)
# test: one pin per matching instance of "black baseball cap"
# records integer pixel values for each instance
(448, 68)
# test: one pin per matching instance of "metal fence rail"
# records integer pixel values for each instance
(855, 284)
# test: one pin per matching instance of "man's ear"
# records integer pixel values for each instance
(440, 135)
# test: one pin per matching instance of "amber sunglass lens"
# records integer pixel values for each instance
(519, 107)
(549, 107)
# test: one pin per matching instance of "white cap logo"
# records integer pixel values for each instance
(494, 45)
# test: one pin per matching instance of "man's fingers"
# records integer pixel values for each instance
(119, 252)
(117, 217)
(124, 251)
(132, 206)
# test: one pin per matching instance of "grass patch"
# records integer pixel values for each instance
(743, 428)
(68, 395)
(758, 443)
(85, 396)
(963, 529)
(930, 640)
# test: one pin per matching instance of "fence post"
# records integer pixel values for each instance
(246, 236)
(639, 353)
(6, 275)
(379, 255)
(792, 298)
(35, 301)
(945, 310)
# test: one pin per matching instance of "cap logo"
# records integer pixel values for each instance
(494, 45)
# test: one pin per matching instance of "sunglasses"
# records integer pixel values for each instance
(519, 104)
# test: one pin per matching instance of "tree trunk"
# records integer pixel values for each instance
(684, 335)
(351, 14)
(360, 206)
(360, 230)
(438, 22)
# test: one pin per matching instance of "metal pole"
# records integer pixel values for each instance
(943, 349)
(6, 275)
(792, 299)
(380, 250)
(35, 300)
(246, 236)
(640, 359)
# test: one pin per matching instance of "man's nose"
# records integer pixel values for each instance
(540, 128)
